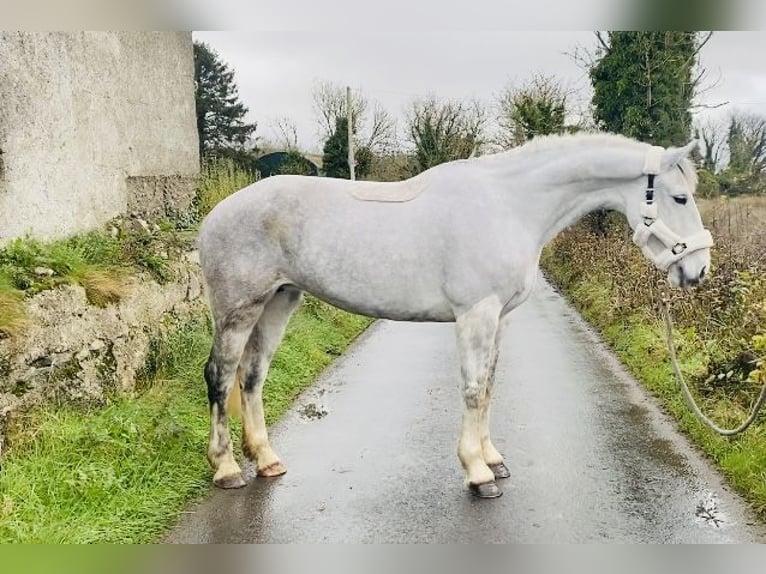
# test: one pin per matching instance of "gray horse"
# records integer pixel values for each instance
(459, 243)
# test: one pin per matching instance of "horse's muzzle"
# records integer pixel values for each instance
(678, 276)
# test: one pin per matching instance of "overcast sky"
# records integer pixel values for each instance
(275, 71)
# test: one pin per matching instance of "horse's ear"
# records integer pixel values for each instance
(673, 156)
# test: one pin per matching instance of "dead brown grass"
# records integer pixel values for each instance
(103, 287)
(13, 315)
(740, 218)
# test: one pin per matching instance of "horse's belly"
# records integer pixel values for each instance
(416, 307)
(381, 295)
(435, 313)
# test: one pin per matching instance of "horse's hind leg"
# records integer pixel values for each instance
(254, 366)
(231, 334)
(476, 336)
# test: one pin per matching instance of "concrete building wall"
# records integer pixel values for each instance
(92, 125)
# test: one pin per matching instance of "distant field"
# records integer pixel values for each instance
(740, 222)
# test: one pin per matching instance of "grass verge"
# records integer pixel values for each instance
(124, 473)
(598, 289)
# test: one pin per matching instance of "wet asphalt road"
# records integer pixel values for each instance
(370, 451)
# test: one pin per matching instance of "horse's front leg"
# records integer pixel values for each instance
(476, 338)
(492, 456)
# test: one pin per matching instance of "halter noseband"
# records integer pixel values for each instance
(676, 247)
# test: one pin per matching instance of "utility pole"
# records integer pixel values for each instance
(349, 117)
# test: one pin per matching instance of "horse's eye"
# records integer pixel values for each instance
(682, 199)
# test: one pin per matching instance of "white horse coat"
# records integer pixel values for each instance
(465, 248)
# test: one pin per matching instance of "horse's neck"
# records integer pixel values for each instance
(566, 205)
(554, 193)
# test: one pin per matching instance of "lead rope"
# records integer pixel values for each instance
(685, 389)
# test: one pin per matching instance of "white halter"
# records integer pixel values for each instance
(676, 247)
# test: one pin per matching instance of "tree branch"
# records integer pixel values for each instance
(601, 40)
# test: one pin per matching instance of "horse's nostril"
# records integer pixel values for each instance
(702, 273)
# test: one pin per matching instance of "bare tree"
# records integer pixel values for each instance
(746, 146)
(701, 83)
(713, 142)
(381, 136)
(747, 143)
(375, 130)
(330, 106)
(286, 133)
(444, 131)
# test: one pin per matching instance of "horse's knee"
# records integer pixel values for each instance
(474, 394)
(471, 397)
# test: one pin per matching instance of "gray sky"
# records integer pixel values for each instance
(275, 71)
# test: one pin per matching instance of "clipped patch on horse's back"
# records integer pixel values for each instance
(390, 192)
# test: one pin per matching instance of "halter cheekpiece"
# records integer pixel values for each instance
(676, 247)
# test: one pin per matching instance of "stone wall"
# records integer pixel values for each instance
(76, 352)
(92, 125)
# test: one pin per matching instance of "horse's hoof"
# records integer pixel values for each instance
(485, 490)
(230, 481)
(500, 470)
(275, 469)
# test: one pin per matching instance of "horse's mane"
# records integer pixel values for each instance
(554, 142)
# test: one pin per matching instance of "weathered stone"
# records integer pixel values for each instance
(192, 257)
(193, 289)
(41, 362)
(7, 402)
(121, 103)
(143, 224)
(62, 358)
(74, 351)
(43, 272)
(160, 196)
(96, 345)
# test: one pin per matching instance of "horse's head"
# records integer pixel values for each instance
(666, 222)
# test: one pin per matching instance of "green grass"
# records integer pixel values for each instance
(639, 342)
(123, 473)
(219, 180)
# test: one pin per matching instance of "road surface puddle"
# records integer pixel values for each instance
(312, 412)
(707, 511)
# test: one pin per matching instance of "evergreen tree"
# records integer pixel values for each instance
(220, 115)
(335, 158)
(644, 83)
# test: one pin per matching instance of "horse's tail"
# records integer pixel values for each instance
(234, 404)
